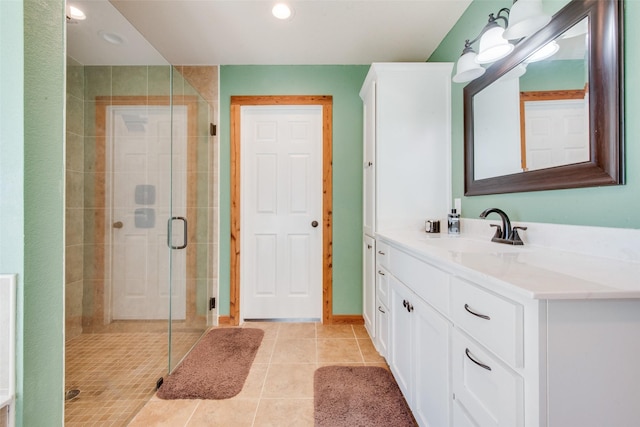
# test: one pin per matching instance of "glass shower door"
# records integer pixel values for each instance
(190, 221)
(132, 303)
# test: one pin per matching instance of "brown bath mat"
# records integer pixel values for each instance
(358, 396)
(216, 367)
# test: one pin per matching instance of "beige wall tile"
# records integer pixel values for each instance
(129, 80)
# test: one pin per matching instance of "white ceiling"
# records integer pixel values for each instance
(211, 32)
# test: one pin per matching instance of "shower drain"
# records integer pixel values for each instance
(70, 394)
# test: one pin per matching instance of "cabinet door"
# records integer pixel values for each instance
(382, 329)
(369, 285)
(490, 392)
(400, 337)
(369, 175)
(431, 391)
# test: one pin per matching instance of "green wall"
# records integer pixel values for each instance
(343, 83)
(31, 202)
(617, 206)
(12, 162)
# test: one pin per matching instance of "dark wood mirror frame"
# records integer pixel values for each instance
(606, 114)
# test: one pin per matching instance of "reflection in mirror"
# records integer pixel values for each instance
(542, 103)
(550, 115)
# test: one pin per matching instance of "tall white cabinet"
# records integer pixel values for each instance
(407, 163)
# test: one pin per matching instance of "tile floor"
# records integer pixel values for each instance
(279, 388)
(116, 374)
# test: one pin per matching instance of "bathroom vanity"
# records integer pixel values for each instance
(484, 334)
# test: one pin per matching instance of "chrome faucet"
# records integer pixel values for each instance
(504, 233)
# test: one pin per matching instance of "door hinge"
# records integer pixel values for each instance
(159, 383)
(212, 303)
(212, 129)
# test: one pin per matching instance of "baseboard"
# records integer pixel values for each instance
(336, 319)
(224, 320)
(347, 319)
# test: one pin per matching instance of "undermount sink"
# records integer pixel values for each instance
(461, 244)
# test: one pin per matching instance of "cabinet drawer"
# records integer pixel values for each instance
(382, 285)
(382, 254)
(490, 392)
(492, 320)
(429, 283)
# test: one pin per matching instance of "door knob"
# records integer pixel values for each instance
(117, 224)
(314, 224)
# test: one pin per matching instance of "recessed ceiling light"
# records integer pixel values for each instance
(282, 11)
(75, 13)
(112, 38)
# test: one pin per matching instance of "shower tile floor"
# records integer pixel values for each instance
(116, 373)
(279, 388)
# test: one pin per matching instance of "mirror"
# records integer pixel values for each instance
(554, 121)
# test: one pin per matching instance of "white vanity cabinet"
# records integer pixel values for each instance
(470, 349)
(406, 156)
(419, 338)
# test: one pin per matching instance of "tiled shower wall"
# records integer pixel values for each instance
(84, 281)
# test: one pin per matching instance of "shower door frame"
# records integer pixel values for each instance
(102, 291)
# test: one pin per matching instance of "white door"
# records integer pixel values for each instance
(556, 133)
(139, 161)
(281, 212)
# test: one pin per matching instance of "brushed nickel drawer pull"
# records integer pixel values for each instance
(381, 310)
(381, 253)
(482, 316)
(482, 365)
(380, 272)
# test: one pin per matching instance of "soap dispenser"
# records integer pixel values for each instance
(453, 222)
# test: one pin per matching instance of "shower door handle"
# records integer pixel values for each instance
(169, 234)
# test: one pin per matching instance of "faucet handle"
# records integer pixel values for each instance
(498, 234)
(515, 237)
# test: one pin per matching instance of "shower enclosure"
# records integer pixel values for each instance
(141, 265)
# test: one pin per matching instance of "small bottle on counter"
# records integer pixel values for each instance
(453, 222)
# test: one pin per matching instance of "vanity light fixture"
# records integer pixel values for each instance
(526, 17)
(467, 68)
(492, 47)
(546, 51)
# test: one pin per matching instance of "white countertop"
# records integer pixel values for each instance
(531, 271)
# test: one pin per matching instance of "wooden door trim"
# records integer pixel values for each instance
(326, 101)
(542, 95)
(102, 102)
